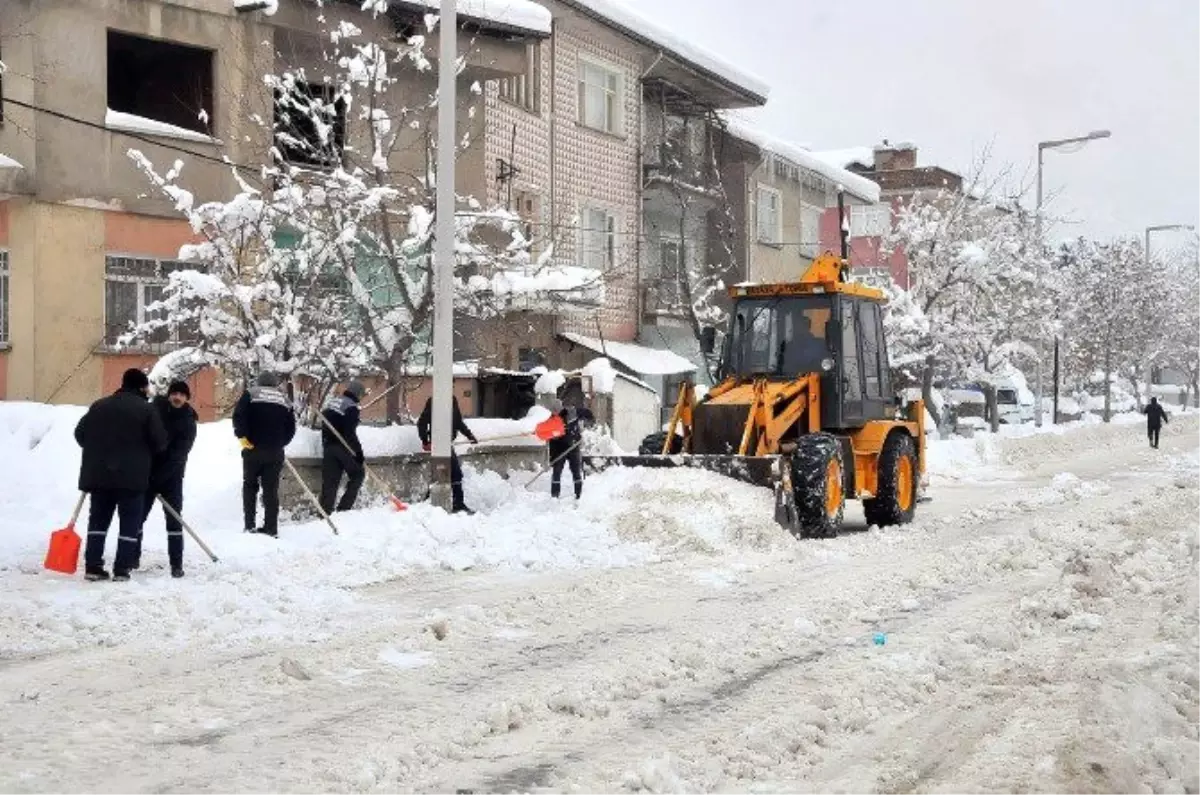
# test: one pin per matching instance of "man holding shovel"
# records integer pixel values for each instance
(166, 477)
(120, 436)
(565, 450)
(264, 423)
(342, 451)
(424, 430)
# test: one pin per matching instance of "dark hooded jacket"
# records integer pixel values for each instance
(120, 436)
(180, 424)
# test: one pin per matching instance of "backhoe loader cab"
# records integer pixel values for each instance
(804, 404)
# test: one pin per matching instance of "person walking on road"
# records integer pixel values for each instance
(424, 430)
(166, 475)
(1155, 417)
(120, 436)
(264, 423)
(566, 449)
(341, 420)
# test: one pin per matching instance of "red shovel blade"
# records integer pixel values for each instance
(552, 428)
(399, 504)
(63, 555)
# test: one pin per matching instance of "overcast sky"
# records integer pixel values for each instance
(953, 76)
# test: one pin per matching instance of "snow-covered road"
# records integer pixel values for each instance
(1040, 629)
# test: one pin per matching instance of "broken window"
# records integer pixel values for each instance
(161, 80)
(310, 124)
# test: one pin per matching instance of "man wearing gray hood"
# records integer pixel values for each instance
(339, 431)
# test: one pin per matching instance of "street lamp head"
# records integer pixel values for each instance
(1098, 134)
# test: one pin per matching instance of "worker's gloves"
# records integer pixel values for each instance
(245, 443)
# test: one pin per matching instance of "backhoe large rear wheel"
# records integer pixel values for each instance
(653, 444)
(818, 478)
(895, 498)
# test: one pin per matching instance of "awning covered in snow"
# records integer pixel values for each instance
(638, 358)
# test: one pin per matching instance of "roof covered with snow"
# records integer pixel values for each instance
(843, 158)
(518, 14)
(8, 162)
(638, 358)
(854, 184)
(631, 22)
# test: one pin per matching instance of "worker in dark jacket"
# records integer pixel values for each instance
(566, 449)
(120, 436)
(166, 475)
(264, 423)
(1155, 417)
(339, 430)
(424, 430)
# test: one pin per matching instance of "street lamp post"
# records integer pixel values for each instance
(1042, 147)
(443, 257)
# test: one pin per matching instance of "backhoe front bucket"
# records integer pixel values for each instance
(755, 470)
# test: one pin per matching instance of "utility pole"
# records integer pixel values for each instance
(1042, 147)
(443, 257)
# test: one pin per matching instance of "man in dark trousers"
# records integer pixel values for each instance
(166, 477)
(424, 430)
(341, 420)
(120, 436)
(1155, 417)
(566, 449)
(264, 423)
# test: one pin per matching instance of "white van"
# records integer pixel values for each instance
(1013, 407)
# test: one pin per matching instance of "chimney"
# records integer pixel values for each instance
(895, 157)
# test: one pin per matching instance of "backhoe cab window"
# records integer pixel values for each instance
(781, 337)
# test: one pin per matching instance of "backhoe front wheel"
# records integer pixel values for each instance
(818, 484)
(653, 444)
(895, 498)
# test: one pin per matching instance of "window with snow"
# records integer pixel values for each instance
(525, 90)
(598, 239)
(3, 297)
(770, 216)
(131, 286)
(310, 124)
(600, 89)
(672, 260)
(810, 230)
(870, 221)
(161, 80)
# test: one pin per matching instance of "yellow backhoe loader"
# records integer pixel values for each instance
(804, 405)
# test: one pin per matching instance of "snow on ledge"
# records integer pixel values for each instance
(639, 358)
(8, 162)
(117, 121)
(621, 14)
(268, 7)
(859, 186)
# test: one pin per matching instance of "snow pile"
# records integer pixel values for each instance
(844, 158)
(602, 374)
(861, 187)
(638, 358)
(8, 162)
(296, 587)
(551, 283)
(522, 14)
(397, 440)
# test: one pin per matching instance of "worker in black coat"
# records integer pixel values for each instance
(166, 477)
(120, 436)
(264, 423)
(340, 419)
(567, 450)
(459, 426)
(1156, 415)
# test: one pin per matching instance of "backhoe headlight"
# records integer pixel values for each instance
(827, 365)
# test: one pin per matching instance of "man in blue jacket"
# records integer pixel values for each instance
(264, 422)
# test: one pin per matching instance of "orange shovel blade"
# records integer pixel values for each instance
(552, 428)
(399, 504)
(63, 555)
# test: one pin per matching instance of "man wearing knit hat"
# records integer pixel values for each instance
(120, 436)
(264, 423)
(166, 478)
(342, 451)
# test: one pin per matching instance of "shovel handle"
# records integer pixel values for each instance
(311, 496)
(175, 515)
(78, 509)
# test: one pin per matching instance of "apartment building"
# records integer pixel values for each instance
(85, 243)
